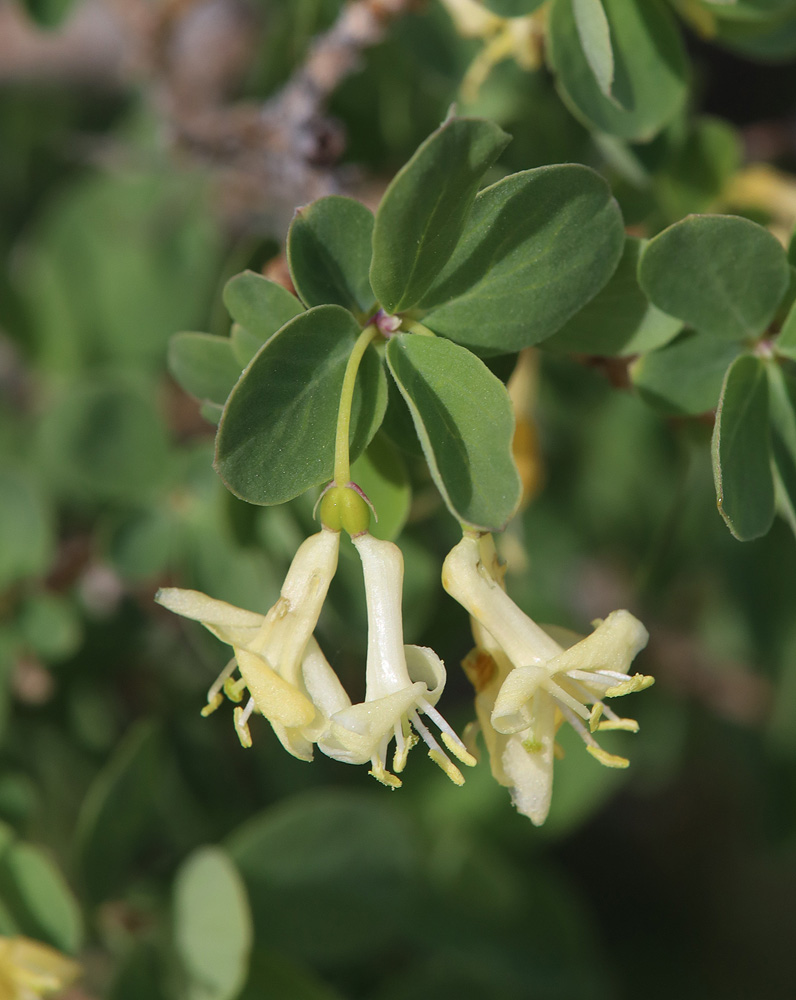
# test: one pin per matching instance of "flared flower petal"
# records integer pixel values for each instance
(527, 683)
(402, 682)
(270, 650)
(30, 969)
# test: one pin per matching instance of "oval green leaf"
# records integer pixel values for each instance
(423, 211)
(721, 274)
(27, 528)
(329, 251)
(330, 874)
(118, 811)
(259, 305)
(782, 402)
(537, 246)
(649, 84)
(276, 437)
(204, 365)
(686, 376)
(212, 925)
(741, 450)
(619, 320)
(448, 391)
(41, 902)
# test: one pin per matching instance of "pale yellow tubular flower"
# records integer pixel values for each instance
(273, 652)
(402, 683)
(30, 970)
(540, 682)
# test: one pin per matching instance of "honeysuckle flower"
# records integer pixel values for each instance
(402, 683)
(527, 683)
(30, 970)
(281, 666)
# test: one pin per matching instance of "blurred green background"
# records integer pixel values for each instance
(144, 839)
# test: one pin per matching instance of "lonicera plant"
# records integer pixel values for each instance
(391, 316)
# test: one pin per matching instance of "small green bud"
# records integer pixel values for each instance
(343, 507)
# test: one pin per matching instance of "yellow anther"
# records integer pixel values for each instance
(380, 773)
(638, 682)
(447, 766)
(212, 704)
(594, 718)
(558, 751)
(627, 725)
(608, 759)
(459, 752)
(234, 689)
(399, 758)
(242, 728)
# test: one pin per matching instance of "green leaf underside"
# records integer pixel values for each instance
(329, 251)
(423, 211)
(381, 472)
(742, 450)
(204, 365)
(595, 37)
(721, 274)
(512, 8)
(259, 305)
(537, 246)
(449, 393)
(649, 83)
(276, 437)
(685, 377)
(619, 320)
(212, 925)
(786, 341)
(782, 403)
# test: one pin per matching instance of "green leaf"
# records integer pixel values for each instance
(649, 84)
(785, 343)
(104, 440)
(212, 925)
(448, 390)
(423, 211)
(619, 320)
(244, 345)
(381, 472)
(741, 450)
(512, 8)
(117, 812)
(536, 247)
(329, 251)
(41, 902)
(27, 536)
(259, 305)
(721, 274)
(595, 37)
(50, 625)
(331, 874)
(276, 437)
(204, 365)
(782, 402)
(274, 975)
(684, 377)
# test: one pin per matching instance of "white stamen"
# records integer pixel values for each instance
(564, 698)
(218, 683)
(425, 733)
(579, 728)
